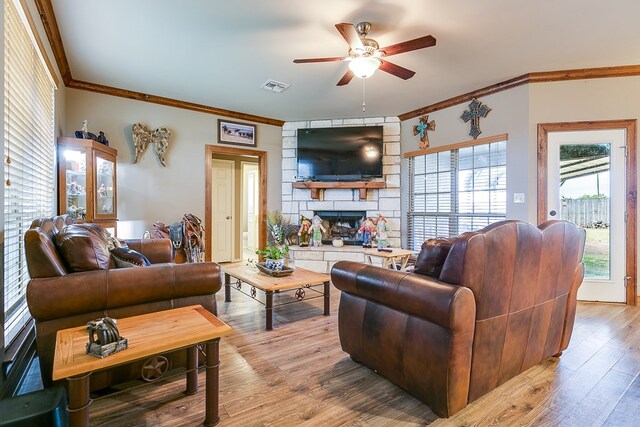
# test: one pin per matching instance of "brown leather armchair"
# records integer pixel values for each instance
(59, 299)
(504, 300)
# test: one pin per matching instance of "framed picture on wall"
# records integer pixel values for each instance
(236, 133)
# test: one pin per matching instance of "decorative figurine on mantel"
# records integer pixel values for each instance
(368, 230)
(421, 129)
(303, 232)
(316, 229)
(381, 232)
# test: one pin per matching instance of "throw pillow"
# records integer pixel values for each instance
(125, 257)
(84, 247)
(432, 257)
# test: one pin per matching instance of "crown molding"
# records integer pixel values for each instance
(170, 102)
(536, 77)
(45, 9)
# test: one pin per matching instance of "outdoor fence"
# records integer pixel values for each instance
(586, 213)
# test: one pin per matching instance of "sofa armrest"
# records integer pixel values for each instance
(441, 303)
(157, 251)
(100, 290)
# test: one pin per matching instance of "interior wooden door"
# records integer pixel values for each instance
(222, 196)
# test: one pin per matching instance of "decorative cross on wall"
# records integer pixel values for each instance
(476, 110)
(421, 129)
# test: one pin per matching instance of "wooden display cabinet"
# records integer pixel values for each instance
(87, 188)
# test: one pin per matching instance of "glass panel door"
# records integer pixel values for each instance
(75, 167)
(585, 197)
(105, 184)
(586, 185)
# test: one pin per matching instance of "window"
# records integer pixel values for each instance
(29, 154)
(453, 191)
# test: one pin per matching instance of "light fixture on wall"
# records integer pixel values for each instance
(364, 66)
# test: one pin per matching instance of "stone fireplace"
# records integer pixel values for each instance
(384, 201)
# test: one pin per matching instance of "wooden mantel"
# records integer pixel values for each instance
(362, 186)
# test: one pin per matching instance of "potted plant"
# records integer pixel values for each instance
(274, 256)
(277, 249)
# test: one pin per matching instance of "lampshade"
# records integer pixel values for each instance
(364, 66)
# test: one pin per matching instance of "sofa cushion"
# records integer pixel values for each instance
(84, 247)
(125, 257)
(42, 255)
(432, 256)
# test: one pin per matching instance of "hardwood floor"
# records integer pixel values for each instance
(297, 375)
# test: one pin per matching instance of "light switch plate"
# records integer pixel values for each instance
(518, 197)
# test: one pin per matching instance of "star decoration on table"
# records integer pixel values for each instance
(155, 368)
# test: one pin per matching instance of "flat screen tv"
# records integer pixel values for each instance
(340, 153)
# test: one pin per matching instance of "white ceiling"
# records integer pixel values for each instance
(218, 53)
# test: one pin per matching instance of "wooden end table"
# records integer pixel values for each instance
(393, 259)
(301, 280)
(148, 335)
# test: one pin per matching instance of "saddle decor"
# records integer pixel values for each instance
(104, 338)
(143, 136)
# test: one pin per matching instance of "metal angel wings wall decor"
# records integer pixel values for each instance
(143, 136)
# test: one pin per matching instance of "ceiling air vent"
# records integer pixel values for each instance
(274, 86)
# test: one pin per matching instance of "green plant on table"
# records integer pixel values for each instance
(273, 252)
(277, 246)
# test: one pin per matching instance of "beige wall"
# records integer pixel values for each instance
(148, 192)
(509, 114)
(518, 112)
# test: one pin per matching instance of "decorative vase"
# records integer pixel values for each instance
(274, 264)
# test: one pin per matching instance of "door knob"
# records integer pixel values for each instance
(229, 217)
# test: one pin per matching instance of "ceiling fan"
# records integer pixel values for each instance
(365, 55)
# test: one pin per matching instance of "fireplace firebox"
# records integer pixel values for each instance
(342, 224)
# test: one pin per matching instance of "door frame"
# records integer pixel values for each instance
(243, 164)
(210, 151)
(630, 177)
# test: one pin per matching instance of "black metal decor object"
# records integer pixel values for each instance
(104, 338)
(476, 110)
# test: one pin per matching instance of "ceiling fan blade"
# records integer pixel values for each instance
(307, 60)
(350, 34)
(346, 78)
(396, 70)
(415, 44)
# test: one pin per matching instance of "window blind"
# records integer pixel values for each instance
(29, 154)
(455, 191)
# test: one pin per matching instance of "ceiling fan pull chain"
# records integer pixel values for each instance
(364, 105)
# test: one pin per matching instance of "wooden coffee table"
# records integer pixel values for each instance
(301, 280)
(148, 335)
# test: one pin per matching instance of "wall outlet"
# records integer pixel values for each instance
(518, 197)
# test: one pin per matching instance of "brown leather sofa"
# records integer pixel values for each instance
(59, 299)
(504, 300)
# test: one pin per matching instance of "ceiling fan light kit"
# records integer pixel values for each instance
(365, 54)
(364, 66)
